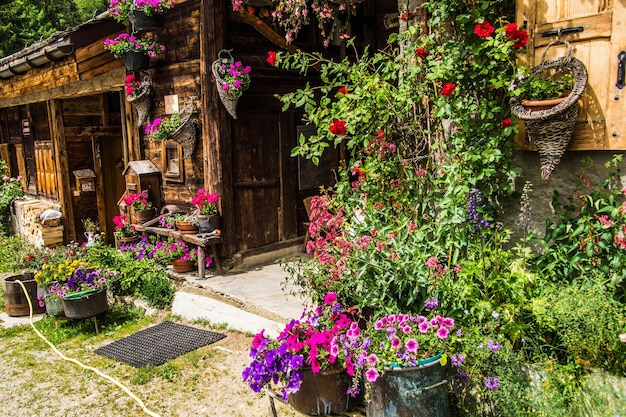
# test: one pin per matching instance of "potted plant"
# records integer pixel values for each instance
(135, 51)
(177, 252)
(206, 210)
(141, 206)
(84, 294)
(137, 12)
(92, 228)
(186, 223)
(399, 353)
(139, 95)
(163, 129)
(232, 79)
(125, 233)
(54, 274)
(539, 92)
(306, 351)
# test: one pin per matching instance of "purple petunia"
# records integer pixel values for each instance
(492, 383)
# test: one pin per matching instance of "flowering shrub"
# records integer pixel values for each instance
(205, 202)
(236, 77)
(162, 129)
(57, 271)
(123, 227)
(589, 231)
(138, 201)
(129, 43)
(82, 279)
(292, 15)
(10, 189)
(316, 340)
(400, 341)
(134, 88)
(120, 9)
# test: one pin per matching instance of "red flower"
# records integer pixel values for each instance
(484, 29)
(271, 58)
(519, 36)
(421, 52)
(447, 89)
(407, 16)
(338, 127)
(506, 122)
(342, 90)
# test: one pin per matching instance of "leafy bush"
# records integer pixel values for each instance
(585, 240)
(146, 279)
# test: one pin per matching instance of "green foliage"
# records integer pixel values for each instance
(10, 189)
(581, 326)
(24, 22)
(585, 239)
(537, 87)
(146, 279)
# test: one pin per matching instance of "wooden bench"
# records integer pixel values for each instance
(201, 242)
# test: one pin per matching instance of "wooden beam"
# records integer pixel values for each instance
(110, 81)
(216, 123)
(57, 134)
(264, 29)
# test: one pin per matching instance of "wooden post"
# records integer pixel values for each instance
(57, 133)
(215, 120)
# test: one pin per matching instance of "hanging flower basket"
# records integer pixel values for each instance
(185, 134)
(141, 22)
(551, 129)
(142, 101)
(231, 79)
(136, 61)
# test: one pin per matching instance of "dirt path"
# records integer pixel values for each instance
(206, 382)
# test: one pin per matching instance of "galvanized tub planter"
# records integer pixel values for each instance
(323, 393)
(85, 304)
(15, 301)
(410, 392)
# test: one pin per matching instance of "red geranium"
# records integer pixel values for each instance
(506, 122)
(421, 52)
(484, 29)
(519, 36)
(342, 90)
(271, 58)
(338, 127)
(447, 89)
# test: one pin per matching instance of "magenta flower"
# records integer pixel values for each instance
(412, 345)
(371, 375)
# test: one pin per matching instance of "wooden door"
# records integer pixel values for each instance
(109, 167)
(46, 175)
(256, 179)
(594, 29)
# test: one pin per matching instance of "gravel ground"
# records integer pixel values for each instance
(206, 382)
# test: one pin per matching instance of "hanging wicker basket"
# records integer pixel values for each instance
(143, 101)
(186, 132)
(551, 129)
(228, 100)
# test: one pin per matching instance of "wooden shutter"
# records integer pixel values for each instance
(594, 29)
(46, 178)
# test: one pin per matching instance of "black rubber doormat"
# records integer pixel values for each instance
(158, 344)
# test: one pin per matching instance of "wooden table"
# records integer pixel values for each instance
(202, 243)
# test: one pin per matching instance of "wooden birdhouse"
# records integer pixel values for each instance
(144, 175)
(85, 180)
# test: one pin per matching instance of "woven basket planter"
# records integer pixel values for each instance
(186, 134)
(551, 129)
(228, 100)
(142, 102)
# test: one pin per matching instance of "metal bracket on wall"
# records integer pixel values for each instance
(559, 32)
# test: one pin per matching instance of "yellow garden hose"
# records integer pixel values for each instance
(102, 374)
